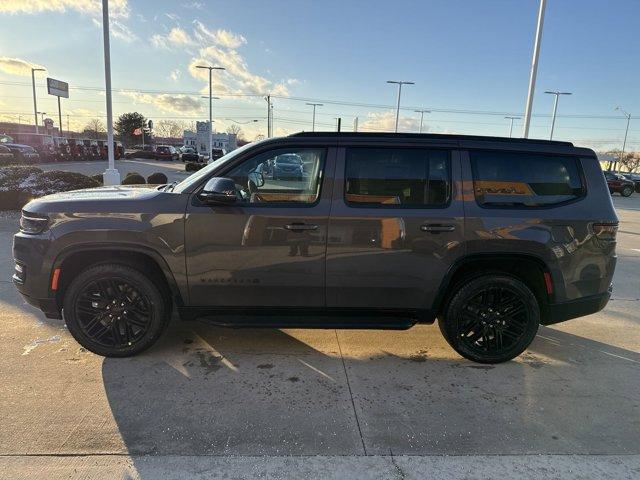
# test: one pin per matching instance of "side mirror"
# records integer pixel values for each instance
(257, 178)
(219, 190)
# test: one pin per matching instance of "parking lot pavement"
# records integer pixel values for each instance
(173, 170)
(325, 403)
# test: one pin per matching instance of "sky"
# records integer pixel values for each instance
(470, 61)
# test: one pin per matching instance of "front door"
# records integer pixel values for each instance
(396, 226)
(267, 249)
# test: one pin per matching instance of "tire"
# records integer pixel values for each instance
(509, 325)
(115, 311)
(626, 191)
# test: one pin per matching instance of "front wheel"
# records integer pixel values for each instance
(626, 191)
(114, 310)
(491, 319)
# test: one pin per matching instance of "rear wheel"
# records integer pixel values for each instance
(626, 191)
(114, 310)
(491, 319)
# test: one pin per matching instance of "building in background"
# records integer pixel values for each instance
(199, 140)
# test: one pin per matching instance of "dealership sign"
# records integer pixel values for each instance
(57, 88)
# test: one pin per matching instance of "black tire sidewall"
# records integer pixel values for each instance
(448, 325)
(158, 305)
(626, 189)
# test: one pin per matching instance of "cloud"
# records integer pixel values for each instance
(166, 102)
(193, 5)
(220, 37)
(117, 8)
(176, 37)
(17, 66)
(175, 75)
(386, 122)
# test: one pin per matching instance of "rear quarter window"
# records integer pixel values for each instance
(522, 179)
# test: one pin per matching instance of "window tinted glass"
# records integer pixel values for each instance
(397, 176)
(524, 179)
(281, 176)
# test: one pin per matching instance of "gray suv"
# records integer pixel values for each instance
(491, 236)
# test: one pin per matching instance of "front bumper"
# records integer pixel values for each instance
(562, 311)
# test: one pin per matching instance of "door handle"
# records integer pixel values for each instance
(437, 228)
(299, 227)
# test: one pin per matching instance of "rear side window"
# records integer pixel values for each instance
(396, 177)
(524, 179)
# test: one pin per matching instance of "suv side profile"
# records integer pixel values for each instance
(491, 236)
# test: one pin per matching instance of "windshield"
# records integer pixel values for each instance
(202, 173)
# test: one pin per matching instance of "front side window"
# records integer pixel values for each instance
(392, 177)
(291, 175)
(524, 179)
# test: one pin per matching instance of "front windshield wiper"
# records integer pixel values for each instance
(170, 186)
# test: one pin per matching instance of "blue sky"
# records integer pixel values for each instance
(463, 55)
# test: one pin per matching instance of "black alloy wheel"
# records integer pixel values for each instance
(491, 319)
(627, 191)
(115, 310)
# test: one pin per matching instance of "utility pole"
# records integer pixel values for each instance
(355, 124)
(111, 175)
(314, 105)
(534, 68)
(268, 99)
(59, 116)
(399, 83)
(339, 126)
(68, 129)
(33, 84)
(211, 69)
(624, 142)
(555, 109)
(511, 124)
(422, 112)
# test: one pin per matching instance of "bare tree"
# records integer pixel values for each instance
(95, 125)
(259, 137)
(630, 161)
(236, 130)
(169, 128)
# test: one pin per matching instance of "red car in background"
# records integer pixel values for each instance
(166, 152)
(617, 183)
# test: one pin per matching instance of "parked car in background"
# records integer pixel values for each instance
(288, 166)
(216, 153)
(43, 144)
(635, 178)
(24, 154)
(166, 152)
(6, 156)
(190, 154)
(490, 236)
(79, 150)
(617, 183)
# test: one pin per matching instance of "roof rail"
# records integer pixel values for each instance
(430, 136)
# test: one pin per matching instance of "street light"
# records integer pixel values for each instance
(399, 83)
(33, 84)
(111, 175)
(511, 124)
(211, 69)
(624, 142)
(534, 68)
(555, 109)
(422, 112)
(314, 105)
(242, 123)
(42, 114)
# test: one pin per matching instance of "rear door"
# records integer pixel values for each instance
(396, 225)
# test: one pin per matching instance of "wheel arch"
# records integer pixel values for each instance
(74, 259)
(528, 268)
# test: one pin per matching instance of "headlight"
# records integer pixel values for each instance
(32, 223)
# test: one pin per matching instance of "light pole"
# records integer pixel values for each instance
(211, 69)
(421, 112)
(111, 175)
(399, 83)
(534, 68)
(242, 123)
(42, 114)
(314, 105)
(511, 124)
(626, 132)
(555, 109)
(33, 84)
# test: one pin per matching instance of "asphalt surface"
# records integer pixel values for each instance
(173, 170)
(208, 402)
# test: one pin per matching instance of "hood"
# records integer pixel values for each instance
(101, 199)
